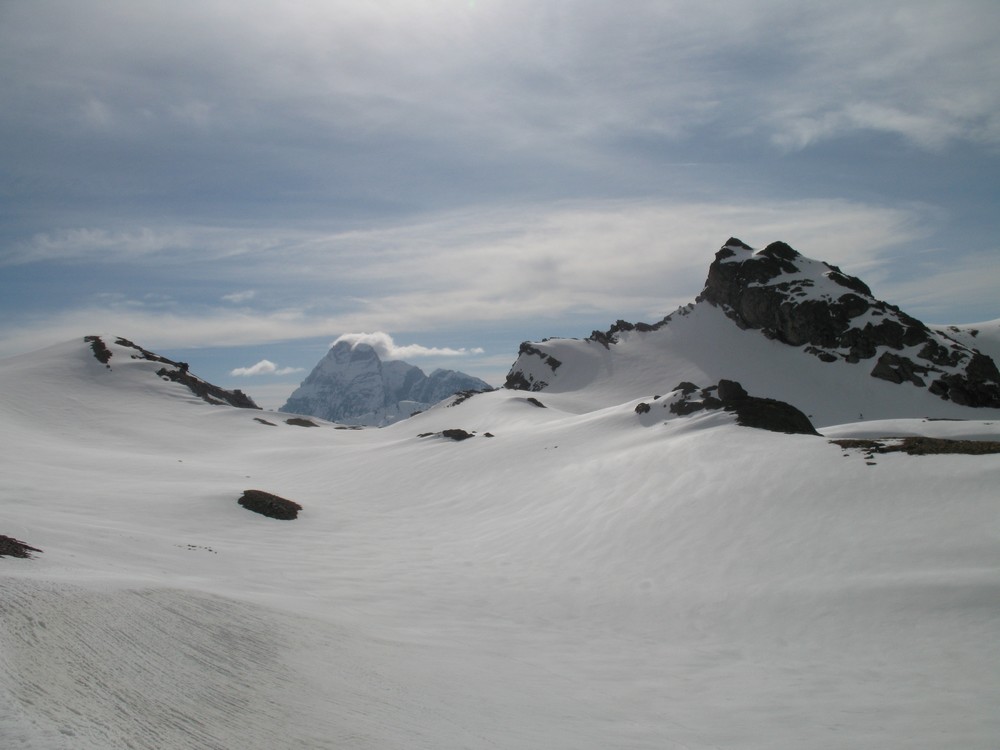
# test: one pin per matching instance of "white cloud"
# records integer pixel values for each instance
(552, 77)
(386, 348)
(264, 367)
(169, 245)
(239, 297)
(591, 262)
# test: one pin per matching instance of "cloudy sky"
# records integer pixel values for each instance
(238, 184)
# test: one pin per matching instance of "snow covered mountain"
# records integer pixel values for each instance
(352, 385)
(785, 327)
(614, 560)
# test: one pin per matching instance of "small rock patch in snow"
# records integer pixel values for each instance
(100, 349)
(14, 548)
(921, 446)
(270, 505)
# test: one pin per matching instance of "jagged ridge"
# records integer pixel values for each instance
(810, 306)
(175, 371)
(802, 302)
(352, 385)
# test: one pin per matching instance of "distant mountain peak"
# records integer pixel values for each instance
(353, 385)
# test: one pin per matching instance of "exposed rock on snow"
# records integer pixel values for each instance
(174, 371)
(802, 302)
(10, 547)
(212, 394)
(751, 411)
(272, 506)
(520, 381)
(921, 446)
(818, 313)
(463, 396)
(352, 385)
(101, 352)
(453, 433)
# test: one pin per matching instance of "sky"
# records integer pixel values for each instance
(239, 184)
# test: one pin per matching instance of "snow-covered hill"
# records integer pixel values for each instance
(352, 385)
(578, 573)
(786, 327)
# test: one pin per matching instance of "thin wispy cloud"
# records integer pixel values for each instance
(387, 348)
(238, 298)
(264, 367)
(516, 266)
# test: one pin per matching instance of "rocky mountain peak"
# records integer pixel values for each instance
(803, 302)
(822, 315)
(352, 385)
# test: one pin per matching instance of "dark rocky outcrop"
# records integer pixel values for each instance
(100, 349)
(178, 372)
(518, 381)
(204, 390)
(455, 433)
(751, 411)
(834, 316)
(10, 547)
(921, 446)
(463, 396)
(272, 506)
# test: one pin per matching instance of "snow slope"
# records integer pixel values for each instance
(701, 345)
(790, 328)
(982, 336)
(587, 577)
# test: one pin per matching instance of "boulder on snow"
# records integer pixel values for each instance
(270, 505)
(751, 411)
(10, 547)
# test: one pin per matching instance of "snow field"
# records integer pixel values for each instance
(582, 579)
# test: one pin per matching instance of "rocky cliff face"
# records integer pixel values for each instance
(808, 303)
(352, 385)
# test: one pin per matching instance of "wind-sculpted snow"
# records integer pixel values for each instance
(589, 577)
(149, 668)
